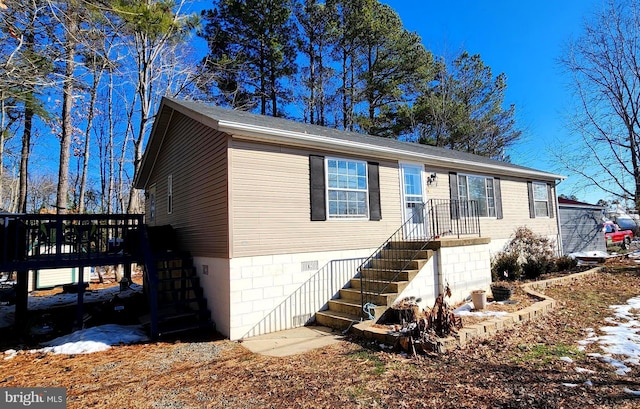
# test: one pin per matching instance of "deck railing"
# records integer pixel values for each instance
(426, 222)
(31, 241)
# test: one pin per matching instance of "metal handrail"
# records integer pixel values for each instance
(429, 221)
(399, 237)
(309, 298)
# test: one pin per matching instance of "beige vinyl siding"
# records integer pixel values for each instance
(271, 205)
(196, 157)
(515, 207)
(439, 189)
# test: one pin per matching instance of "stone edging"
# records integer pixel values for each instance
(546, 304)
(489, 327)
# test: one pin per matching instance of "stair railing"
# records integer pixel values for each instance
(427, 221)
(310, 297)
(404, 240)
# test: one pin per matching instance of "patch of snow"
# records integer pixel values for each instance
(95, 339)
(584, 370)
(627, 390)
(10, 353)
(466, 310)
(570, 385)
(566, 359)
(621, 368)
(589, 254)
(621, 338)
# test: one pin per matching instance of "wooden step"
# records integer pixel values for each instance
(406, 254)
(337, 320)
(194, 280)
(345, 306)
(194, 303)
(397, 264)
(408, 245)
(354, 295)
(380, 285)
(176, 273)
(353, 308)
(388, 275)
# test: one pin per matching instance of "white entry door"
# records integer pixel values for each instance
(415, 220)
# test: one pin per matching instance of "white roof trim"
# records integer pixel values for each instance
(260, 133)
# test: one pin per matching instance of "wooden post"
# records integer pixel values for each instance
(80, 313)
(127, 270)
(22, 300)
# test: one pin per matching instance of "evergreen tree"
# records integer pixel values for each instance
(383, 67)
(252, 50)
(463, 109)
(318, 29)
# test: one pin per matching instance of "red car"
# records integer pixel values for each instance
(614, 236)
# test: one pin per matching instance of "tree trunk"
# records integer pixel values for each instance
(24, 159)
(67, 106)
(87, 142)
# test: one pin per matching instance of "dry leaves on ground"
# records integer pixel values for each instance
(517, 368)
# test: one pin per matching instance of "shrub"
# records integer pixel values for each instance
(505, 266)
(534, 267)
(565, 263)
(527, 254)
(526, 244)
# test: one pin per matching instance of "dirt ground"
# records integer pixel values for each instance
(517, 368)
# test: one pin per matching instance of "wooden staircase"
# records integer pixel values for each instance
(181, 305)
(383, 279)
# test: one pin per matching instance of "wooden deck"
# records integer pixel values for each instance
(35, 242)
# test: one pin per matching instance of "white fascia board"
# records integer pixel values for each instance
(271, 135)
(577, 206)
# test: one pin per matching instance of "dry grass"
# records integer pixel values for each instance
(518, 368)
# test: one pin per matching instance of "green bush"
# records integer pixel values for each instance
(565, 263)
(505, 266)
(534, 267)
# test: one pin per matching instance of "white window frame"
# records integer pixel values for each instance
(170, 194)
(537, 199)
(330, 189)
(489, 201)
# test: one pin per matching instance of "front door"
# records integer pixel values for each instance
(414, 214)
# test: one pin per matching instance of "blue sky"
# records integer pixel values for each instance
(522, 39)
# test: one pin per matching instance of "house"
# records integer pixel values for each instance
(278, 215)
(581, 226)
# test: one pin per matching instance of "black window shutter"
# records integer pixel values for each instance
(453, 193)
(532, 205)
(497, 192)
(317, 192)
(550, 196)
(375, 212)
